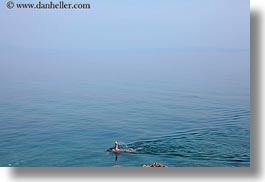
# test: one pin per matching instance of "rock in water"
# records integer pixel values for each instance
(155, 164)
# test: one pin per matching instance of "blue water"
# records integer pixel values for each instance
(179, 110)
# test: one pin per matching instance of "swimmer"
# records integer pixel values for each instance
(116, 149)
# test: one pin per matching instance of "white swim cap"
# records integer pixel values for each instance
(116, 142)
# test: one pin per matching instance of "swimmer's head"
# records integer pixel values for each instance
(116, 143)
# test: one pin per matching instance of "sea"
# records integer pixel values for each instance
(183, 108)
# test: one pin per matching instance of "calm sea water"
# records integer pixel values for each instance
(179, 110)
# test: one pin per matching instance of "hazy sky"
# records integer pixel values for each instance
(127, 24)
(45, 43)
